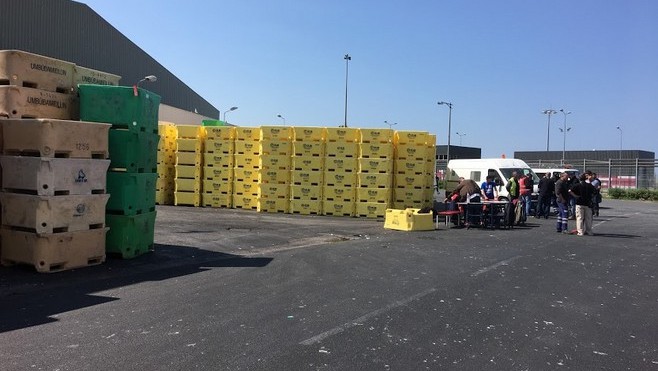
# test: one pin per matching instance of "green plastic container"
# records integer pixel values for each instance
(119, 106)
(213, 123)
(130, 236)
(131, 193)
(133, 151)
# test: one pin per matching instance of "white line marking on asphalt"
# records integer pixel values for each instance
(358, 321)
(494, 266)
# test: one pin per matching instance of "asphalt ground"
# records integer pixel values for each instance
(240, 290)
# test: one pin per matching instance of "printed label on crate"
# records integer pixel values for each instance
(340, 164)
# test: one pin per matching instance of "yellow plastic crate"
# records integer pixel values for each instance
(247, 147)
(189, 145)
(340, 179)
(246, 161)
(431, 140)
(224, 174)
(273, 190)
(216, 200)
(187, 185)
(188, 158)
(305, 207)
(376, 150)
(408, 136)
(218, 160)
(341, 164)
(374, 195)
(375, 165)
(245, 175)
(338, 194)
(308, 149)
(245, 189)
(276, 132)
(308, 134)
(167, 130)
(219, 146)
(341, 149)
(413, 152)
(166, 157)
(410, 167)
(186, 171)
(247, 134)
(408, 220)
(162, 184)
(245, 202)
(275, 147)
(190, 131)
(376, 135)
(374, 180)
(225, 133)
(342, 135)
(304, 163)
(164, 197)
(187, 199)
(166, 144)
(338, 208)
(300, 192)
(306, 178)
(409, 194)
(217, 187)
(370, 210)
(410, 181)
(274, 162)
(272, 205)
(273, 176)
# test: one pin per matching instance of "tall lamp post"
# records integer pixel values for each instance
(229, 110)
(564, 132)
(621, 134)
(449, 128)
(347, 59)
(282, 118)
(390, 126)
(548, 112)
(460, 137)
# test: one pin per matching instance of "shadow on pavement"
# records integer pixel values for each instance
(28, 298)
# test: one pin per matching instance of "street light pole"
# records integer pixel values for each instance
(621, 134)
(229, 110)
(449, 128)
(548, 112)
(347, 63)
(460, 137)
(390, 126)
(564, 132)
(282, 118)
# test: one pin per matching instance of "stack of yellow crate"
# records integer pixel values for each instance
(414, 169)
(189, 149)
(307, 170)
(274, 169)
(375, 174)
(218, 166)
(340, 169)
(164, 194)
(246, 168)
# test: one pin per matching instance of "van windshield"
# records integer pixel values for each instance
(507, 173)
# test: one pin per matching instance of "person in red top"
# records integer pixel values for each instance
(525, 192)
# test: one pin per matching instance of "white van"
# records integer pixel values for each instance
(478, 169)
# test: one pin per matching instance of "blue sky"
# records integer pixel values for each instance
(499, 62)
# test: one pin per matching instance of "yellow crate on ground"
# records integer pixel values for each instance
(337, 208)
(164, 197)
(245, 189)
(275, 147)
(186, 171)
(411, 137)
(300, 192)
(219, 146)
(274, 162)
(189, 145)
(374, 180)
(306, 177)
(308, 134)
(245, 175)
(191, 131)
(341, 149)
(225, 133)
(217, 187)
(187, 185)
(247, 147)
(342, 135)
(224, 174)
(247, 134)
(374, 195)
(218, 160)
(245, 202)
(341, 164)
(273, 176)
(273, 190)
(340, 179)
(188, 158)
(376, 135)
(370, 210)
(410, 167)
(305, 207)
(304, 163)
(272, 205)
(339, 194)
(308, 149)
(276, 132)
(187, 199)
(409, 181)
(376, 150)
(216, 200)
(408, 220)
(375, 165)
(246, 161)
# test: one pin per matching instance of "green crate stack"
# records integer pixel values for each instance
(132, 177)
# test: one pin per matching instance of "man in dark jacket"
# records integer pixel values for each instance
(546, 192)
(583, 192)
(562, 200)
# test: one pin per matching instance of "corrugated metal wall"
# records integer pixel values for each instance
(72, 31)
